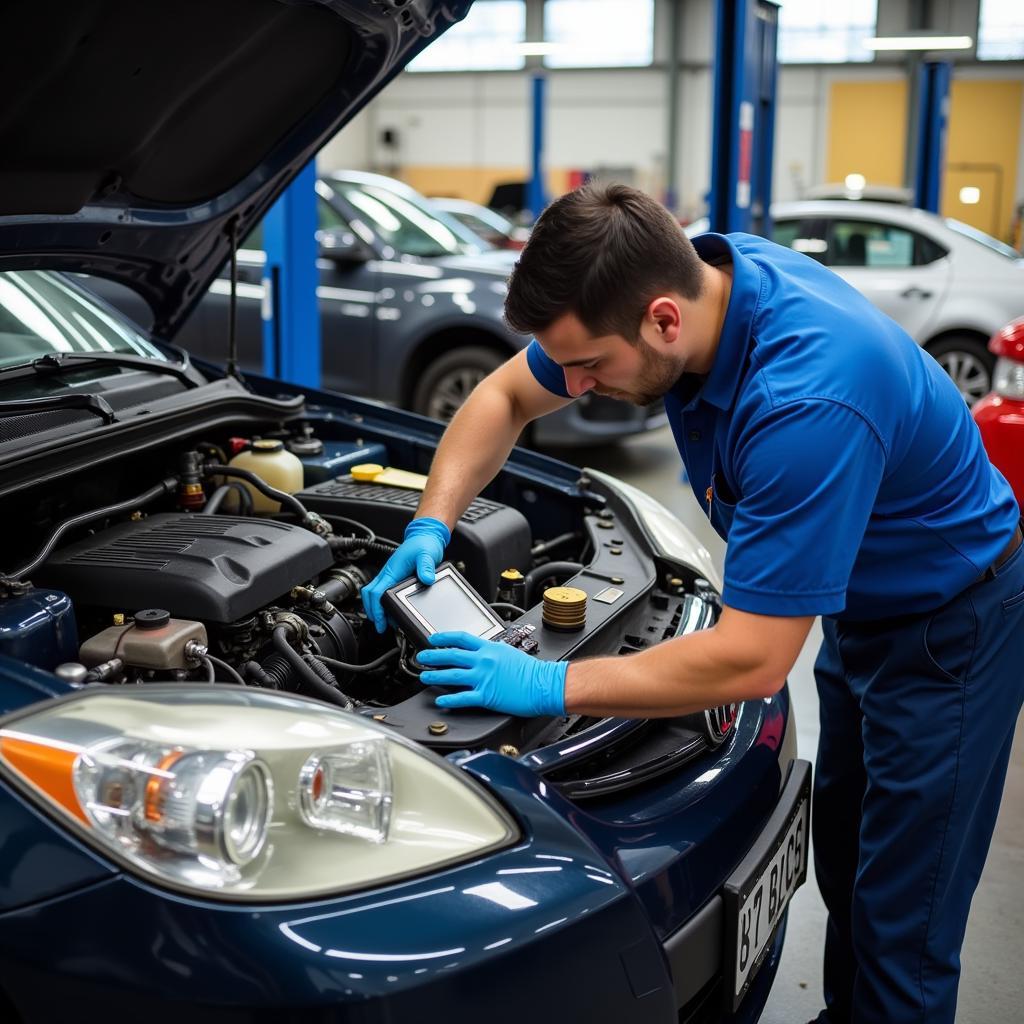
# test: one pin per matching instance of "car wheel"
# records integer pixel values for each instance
(446, 382)
(968, 363)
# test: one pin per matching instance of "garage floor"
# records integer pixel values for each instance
(992, 985)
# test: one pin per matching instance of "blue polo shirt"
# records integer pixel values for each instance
(836, 457)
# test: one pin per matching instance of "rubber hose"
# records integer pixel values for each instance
(281, 497)
(542, 572)
(344, 666)
(319, 688)
(274, 673)
(343, 545)
(232, 675)
(167, 486)
(218, 496)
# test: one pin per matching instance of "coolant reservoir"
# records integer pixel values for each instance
(274, 465)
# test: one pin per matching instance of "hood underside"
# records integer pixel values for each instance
(137, 139)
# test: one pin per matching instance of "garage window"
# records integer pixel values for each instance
(579, 34)
(489, 38)
(1001, 30)
(812, 32)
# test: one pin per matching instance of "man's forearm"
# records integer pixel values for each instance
(677, 677)
(474, 447)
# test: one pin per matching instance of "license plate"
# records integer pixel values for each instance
(759, 890)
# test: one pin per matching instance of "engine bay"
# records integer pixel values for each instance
(213, 573)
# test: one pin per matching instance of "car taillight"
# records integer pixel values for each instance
(1008, 344)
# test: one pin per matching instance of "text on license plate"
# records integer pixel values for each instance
(762, 909)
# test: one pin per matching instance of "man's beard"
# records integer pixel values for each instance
(657, 375)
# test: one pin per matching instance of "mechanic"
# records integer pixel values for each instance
(843, 467)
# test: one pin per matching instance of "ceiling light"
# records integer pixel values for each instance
(855, 182)
(970, 195)
(919, 43)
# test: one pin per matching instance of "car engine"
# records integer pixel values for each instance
(192, 579)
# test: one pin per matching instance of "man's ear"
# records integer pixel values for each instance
(664, 316)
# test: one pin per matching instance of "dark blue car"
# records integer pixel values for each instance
(224, 797)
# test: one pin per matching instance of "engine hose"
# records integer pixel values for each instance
(217, 498)
(232, 675)
(343, 545)
(542, 572)
(344, 666)
(281, 497)
(317, 686)
(274, 673)
(167, 486)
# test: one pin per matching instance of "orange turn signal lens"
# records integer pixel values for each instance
(48, 768)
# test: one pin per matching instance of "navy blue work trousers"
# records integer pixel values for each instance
(917, 719)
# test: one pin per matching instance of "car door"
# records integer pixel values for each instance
(905, 274)
(346, 295)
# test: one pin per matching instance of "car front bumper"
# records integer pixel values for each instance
(561, 926)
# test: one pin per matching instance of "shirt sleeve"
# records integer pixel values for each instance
(548, 373)
(808, 474)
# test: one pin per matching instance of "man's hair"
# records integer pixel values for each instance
(601, 252)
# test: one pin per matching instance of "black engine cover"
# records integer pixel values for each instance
(211, 568)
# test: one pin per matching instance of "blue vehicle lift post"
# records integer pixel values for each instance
(934, 77)
(291, 318)
(536, 193)
(743, 115)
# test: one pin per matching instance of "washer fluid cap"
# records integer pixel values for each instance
(152, 618)
(367, 471)
(267, 446)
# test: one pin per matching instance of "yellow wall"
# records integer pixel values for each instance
(473, 183)
(867, 131)
(867, 135)
(984, 135)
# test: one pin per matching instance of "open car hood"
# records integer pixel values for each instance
(139, 141)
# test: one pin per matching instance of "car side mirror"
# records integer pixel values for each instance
(344, 247)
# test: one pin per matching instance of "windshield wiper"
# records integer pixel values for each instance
(94, 403)
(56, 362)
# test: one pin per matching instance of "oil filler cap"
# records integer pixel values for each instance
(565, 608)
(152, 618)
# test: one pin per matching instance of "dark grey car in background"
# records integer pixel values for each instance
(411, 310)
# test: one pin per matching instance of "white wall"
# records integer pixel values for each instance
(618, 117)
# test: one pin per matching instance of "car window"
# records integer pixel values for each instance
(927, 250)
(800, 235)
(43, 312)
(784, 231)
(862, 243)
(398, 222)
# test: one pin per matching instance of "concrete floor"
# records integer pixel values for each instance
(992, 982)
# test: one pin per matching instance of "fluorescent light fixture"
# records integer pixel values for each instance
(970, 195)
(919, 43)
(538, 49)
(855, 182)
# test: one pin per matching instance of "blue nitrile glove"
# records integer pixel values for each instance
(500, 676)
(423, 547)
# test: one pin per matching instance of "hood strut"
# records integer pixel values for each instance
(231, 230)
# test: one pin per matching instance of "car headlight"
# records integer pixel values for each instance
(668, 536)
(246, 794)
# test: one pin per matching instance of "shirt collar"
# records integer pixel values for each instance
(719, 388)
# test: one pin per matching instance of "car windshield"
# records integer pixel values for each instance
(404, 224)
(982, 239)
(42, 313)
